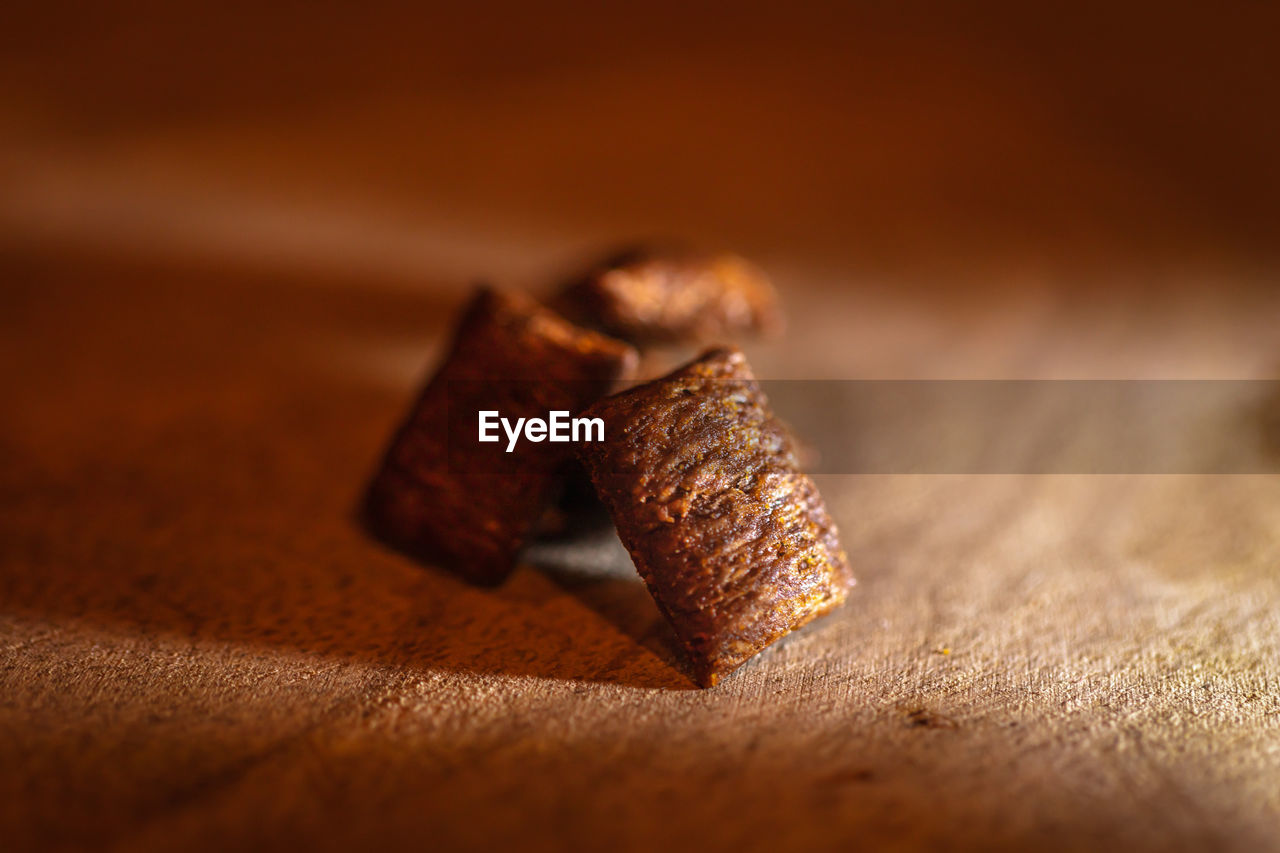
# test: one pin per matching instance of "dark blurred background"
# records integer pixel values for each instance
(971, 142)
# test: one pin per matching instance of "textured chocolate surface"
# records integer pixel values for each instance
(674, 297)
(731, 537)
(443, 496)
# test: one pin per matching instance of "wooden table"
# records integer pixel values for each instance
(219, 284)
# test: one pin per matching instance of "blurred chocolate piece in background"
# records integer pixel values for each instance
(674, 296)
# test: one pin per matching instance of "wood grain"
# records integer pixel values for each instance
(201, 649)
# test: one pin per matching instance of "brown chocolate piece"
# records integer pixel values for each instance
(444, 496)
(674, 297)
(731, 537)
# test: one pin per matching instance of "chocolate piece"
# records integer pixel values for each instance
(732, 539)
(674, 297)
(446, 497)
